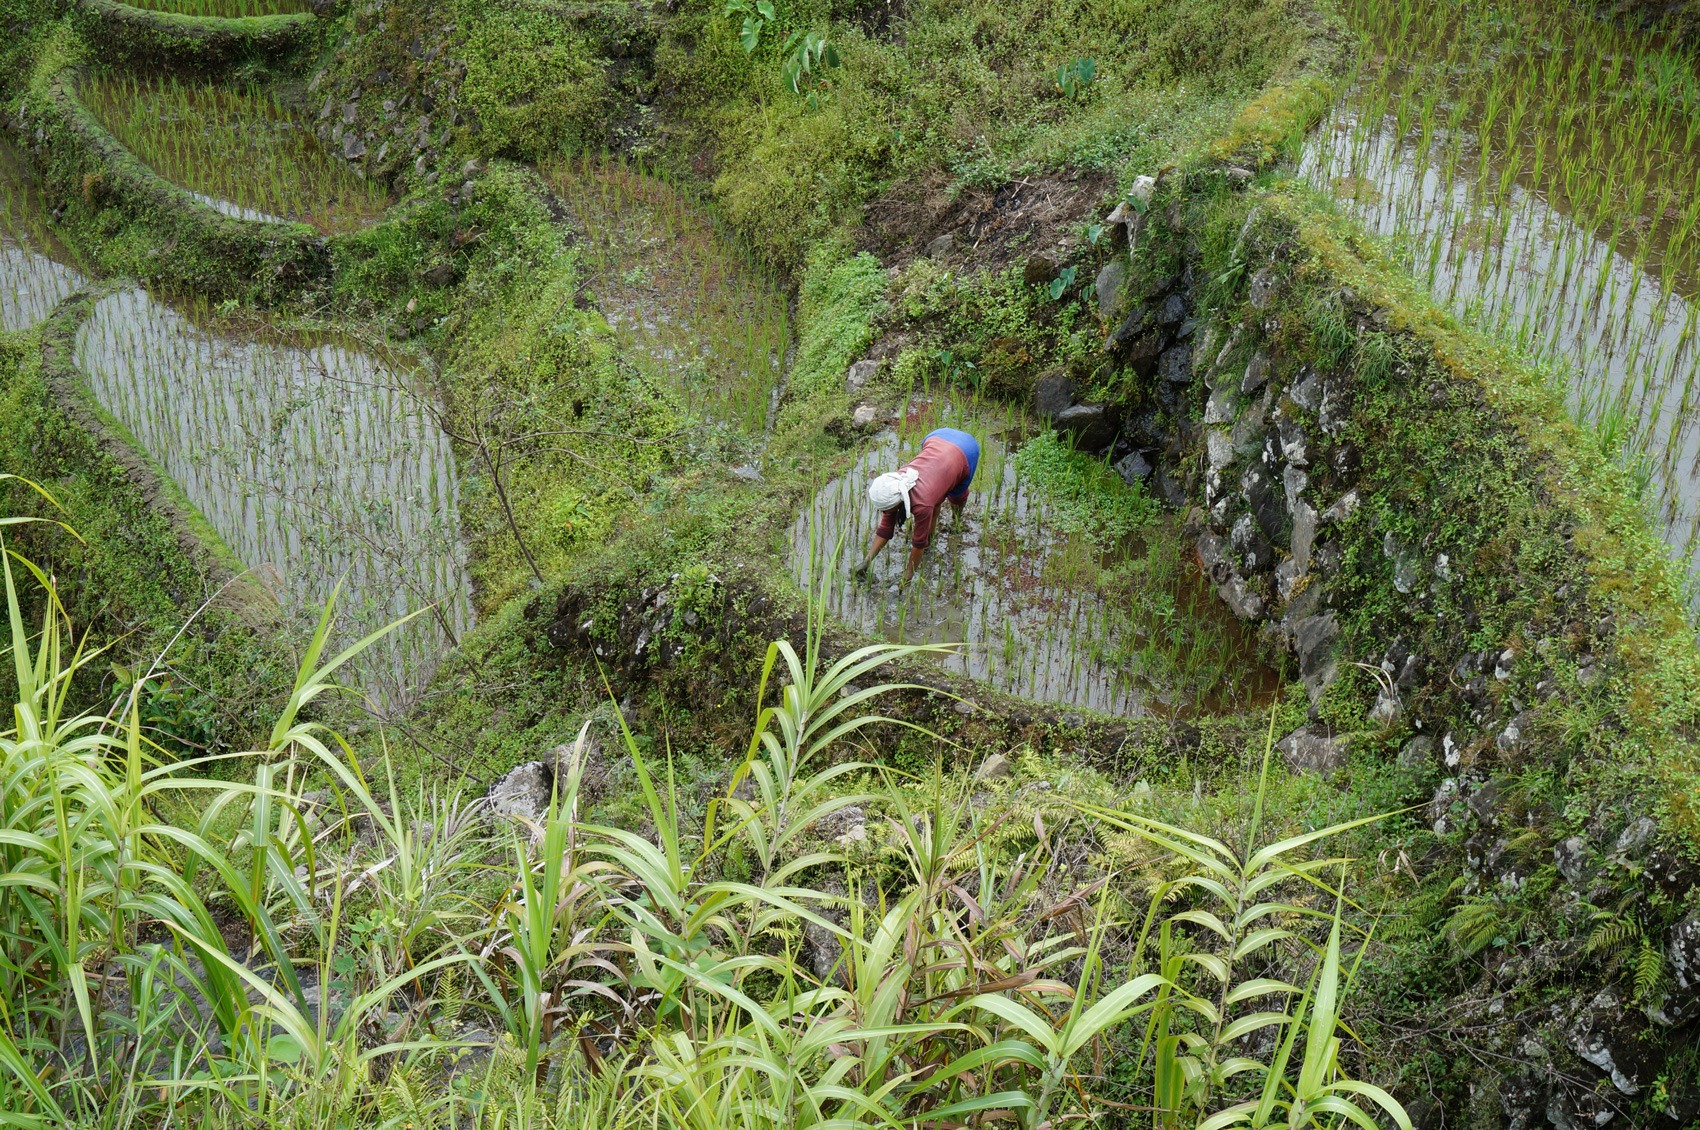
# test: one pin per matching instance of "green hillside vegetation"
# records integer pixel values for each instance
(1300, 726)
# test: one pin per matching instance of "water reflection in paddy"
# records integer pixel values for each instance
(1048, 604)
(35, 275)
(310, 457)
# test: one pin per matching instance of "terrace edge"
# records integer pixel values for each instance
(194, 535)
(128, 36)
(151, 228)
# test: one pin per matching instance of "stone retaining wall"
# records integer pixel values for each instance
(1469, 585)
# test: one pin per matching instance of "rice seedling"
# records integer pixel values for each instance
(312, 460)
(1537, 165)
(35, 269)
(1054, 594)
(691, 305)
(228, 9)
(246, 151)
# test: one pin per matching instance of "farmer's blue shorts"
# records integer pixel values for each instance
(969, 446)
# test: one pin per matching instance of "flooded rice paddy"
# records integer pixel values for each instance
(35, 271)
(685, 300)
(223, 8)
(1059, 588)
(247, 152)
(1538, 171)
(314, 460)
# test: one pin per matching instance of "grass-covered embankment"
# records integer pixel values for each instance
(126, 35)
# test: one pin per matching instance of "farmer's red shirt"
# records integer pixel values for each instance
(944, 473)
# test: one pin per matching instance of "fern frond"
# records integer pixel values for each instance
(1651, 972)
(1473, 926)
(1613, 934)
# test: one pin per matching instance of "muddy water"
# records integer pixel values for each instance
(246, 152)
(35, 270)
(313, 460)
(689, 305)
(1509, 254)
(1042, 609)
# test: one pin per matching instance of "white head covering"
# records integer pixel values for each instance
(892, 488)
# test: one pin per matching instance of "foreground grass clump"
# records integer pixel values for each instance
(296, 945)
(247, 151)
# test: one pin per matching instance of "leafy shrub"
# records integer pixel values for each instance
(533, 82)
(1085, 495)
(839, 300)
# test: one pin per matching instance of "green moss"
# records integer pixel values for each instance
(492, 244)
(1266, 127)
(532, 80)
(840, 298)
(122, 35)
(24, 24)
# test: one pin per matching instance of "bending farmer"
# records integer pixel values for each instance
(940, 472)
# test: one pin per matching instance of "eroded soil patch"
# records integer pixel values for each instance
(1033, 216)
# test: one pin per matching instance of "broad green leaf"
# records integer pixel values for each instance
(1251, 1023)
(1257, 987)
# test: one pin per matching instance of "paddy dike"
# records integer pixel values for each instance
(1537, 176)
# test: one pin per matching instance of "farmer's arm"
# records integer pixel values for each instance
(883, 533)
(959, 496)
(879, 543)
(914, 561)
(921, 536)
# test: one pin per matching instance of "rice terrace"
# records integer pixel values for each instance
(910, 564)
